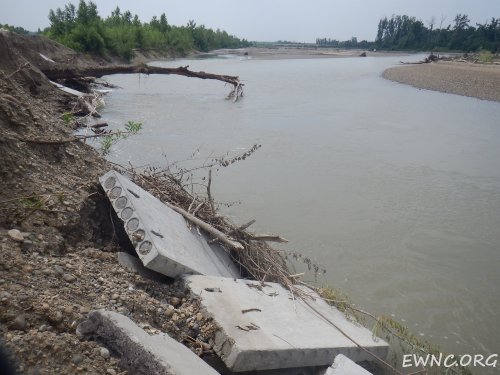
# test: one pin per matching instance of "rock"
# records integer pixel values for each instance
(27, 246)
(16, 235)
(175, 301)
(47, 272)
(69, 278)
(19, 323)
(56, 318)
(5, 296)
(77, 359)
(59, 269)
(169, 312)
(199, 317)
(111, 371)
(104, 353)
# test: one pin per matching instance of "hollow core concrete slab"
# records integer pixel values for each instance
(140, 352)
(264, 327)
(160, 235)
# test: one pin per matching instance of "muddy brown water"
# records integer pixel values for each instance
(395, 190)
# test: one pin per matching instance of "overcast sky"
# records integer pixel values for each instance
(268, 20)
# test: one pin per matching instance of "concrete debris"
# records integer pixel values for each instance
(133, 264)
(344, 366)
(161, 236)
(141, 353)
(262, 326)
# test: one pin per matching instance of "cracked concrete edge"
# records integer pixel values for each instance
(141, 353)
(223, 345)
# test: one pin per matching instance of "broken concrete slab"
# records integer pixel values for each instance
(133, 264)
(160, 235)
(264, 327)
(344, 366)
(141, 353)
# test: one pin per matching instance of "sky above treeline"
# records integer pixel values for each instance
(269, 20)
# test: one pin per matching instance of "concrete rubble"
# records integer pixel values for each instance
(262, 326)
(141, 353)
(344, 366)
(160, 236)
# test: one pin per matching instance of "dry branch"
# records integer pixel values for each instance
(58, 73)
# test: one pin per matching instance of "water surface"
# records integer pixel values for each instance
(395, 190)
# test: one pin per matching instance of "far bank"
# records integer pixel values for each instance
(468, 79)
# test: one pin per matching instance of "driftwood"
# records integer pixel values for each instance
(427, 60)
(59, 73)
(206, 227)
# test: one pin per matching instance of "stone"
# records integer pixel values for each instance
(27, 245)
(59, 270)
(77, 359)
(19, 323)
(69, 278)
(264, 327)
(104, 353)
(142, 353)
(169, 312)
(16, 235)
(111, 371)
(175, 301)
(160, 236)
(344, 366)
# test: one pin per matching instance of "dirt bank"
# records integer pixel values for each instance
(468, 79)
(57, 246)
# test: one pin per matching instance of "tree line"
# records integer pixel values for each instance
(81, 28)
(409, 33)
(15, 29)
(404, 32)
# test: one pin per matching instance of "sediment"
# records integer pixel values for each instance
(462, 78)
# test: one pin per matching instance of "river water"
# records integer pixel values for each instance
(394, 190)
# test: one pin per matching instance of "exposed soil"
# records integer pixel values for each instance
(61, 262)
(476, 80)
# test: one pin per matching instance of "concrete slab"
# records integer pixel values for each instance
(141, 353)
(263, 327)
(134, 264)
(344, 366)
(160, 235)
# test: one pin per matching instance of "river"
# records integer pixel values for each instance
(394, 190)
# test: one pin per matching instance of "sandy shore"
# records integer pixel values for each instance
(475, 80)
(281, 53)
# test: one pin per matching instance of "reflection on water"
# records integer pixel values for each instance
(395, 190)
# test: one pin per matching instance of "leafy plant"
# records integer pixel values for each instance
(108, 140)
(67, 117)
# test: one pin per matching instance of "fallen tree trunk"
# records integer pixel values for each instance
(58, 73)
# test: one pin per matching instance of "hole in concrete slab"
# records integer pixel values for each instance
(121, 203)
(145, 247)
(110, 182)
(132, 224)
(139, 235)
(127, 213)
(115, 192)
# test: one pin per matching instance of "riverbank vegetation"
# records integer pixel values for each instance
(83, 29)
(401, 33)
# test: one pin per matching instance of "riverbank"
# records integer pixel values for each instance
(57, 241)
(462, 78)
